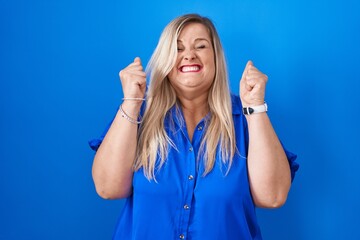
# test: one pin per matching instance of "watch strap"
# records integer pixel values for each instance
(255, 109)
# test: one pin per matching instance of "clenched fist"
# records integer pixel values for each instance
(133, 80)
(252, 86)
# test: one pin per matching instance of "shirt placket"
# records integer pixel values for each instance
(189, 182)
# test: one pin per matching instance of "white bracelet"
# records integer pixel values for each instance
(127, 117)
(133, 99)
(255, 109)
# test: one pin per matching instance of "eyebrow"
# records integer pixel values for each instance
(196, 40)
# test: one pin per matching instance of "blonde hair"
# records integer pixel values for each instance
(161, 97)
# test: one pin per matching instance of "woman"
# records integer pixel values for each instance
(200, 159)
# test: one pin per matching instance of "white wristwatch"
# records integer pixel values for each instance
(255, 109)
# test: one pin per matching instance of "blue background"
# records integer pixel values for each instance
(59, 87)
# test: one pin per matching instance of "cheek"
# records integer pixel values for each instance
(211, 69)
(210, 61)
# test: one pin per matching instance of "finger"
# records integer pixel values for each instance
(248, 87)
(135, 67)
(141, 83)
(257, 76)
(252, 69)
(245, 85)
(135, 80)
(250, 82)
(133, 77)
(129, 74)
(253, 72)
(136, 73)
(134, 64)
(256, 81)
(254, 75)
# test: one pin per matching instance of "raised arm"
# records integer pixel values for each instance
(269, 171)
(113, 163)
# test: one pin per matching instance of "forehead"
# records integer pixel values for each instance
(194, 31)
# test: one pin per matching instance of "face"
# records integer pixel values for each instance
(194, 70)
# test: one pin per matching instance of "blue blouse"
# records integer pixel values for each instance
(184, 204)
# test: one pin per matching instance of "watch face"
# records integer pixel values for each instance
(248, 110)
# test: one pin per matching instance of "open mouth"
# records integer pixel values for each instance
(190, 68)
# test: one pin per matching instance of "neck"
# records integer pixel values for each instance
(194, 108)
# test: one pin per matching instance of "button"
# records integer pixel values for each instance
(200, 128)
(190, 149)
(182, 236)
(186, 207)
(191, 177)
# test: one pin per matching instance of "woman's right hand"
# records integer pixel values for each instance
(133, 81)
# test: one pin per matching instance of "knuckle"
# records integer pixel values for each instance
(124, 74)
(121, 73)
(266, 78)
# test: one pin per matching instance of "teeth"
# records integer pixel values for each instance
(190, 68)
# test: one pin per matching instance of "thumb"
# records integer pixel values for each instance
(248, 64)
(137, 60)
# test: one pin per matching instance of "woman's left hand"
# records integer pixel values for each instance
(252, 86)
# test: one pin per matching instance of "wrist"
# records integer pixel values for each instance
(132, 108)
(126, 115)
(249, 110)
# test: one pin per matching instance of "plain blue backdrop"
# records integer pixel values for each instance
(59, 87)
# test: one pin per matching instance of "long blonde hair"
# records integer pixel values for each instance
(153, 140)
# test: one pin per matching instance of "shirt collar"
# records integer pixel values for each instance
(176, 118)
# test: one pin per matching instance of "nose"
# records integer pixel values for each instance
(189, 55)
